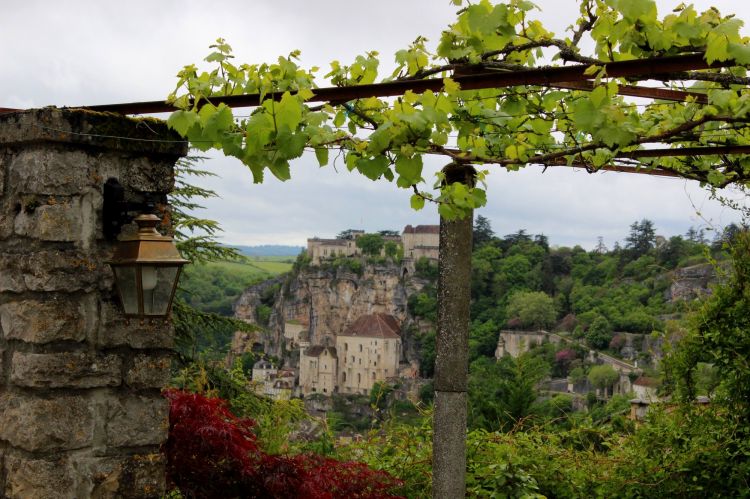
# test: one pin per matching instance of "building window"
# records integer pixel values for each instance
(359, 378)
(360, 347)
(352, 359)
(325, 390)
(375, 363)
(360, 361)
(343, 377)
(373, 376)
(346, 347)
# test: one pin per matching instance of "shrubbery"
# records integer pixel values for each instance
(211, 453)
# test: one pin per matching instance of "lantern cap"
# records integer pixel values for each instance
(147, 246)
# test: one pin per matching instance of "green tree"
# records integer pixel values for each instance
(535, 309)
(641, 238)
(391, 249)
(370, 244)
(603, 376)
(599, 333)
(482, 233)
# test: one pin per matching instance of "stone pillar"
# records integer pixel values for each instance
(81, 413)
(452, 349)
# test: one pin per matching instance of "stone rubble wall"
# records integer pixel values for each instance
(81, 413)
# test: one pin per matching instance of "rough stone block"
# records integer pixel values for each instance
(37, 424)
(59, 221)
(137, 476)
(38, 478)
(6, 225)
(49, 171)
(2, 174)
(149, 371)
(116, 331)
(54, 319)
(140, 173)
(135, 421)
(65, 370)
(53, 270)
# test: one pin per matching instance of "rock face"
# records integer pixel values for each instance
(691, 282)
(326, 301)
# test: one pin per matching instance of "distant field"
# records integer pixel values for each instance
(254, 267)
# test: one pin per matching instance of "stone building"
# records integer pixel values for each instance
(417, 242)
(369, 351)
(320, 249)
(317, 369)
(421, 241)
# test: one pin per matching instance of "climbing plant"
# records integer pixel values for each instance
(510, 127)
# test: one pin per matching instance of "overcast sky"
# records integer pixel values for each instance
(69, 53)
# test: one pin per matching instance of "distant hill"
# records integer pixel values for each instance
(269, 250)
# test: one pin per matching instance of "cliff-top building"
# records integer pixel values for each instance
(368, 351)
(417, 242)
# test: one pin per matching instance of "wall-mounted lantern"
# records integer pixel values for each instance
(146, 266)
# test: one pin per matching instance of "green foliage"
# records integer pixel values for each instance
(603, 376)
(535, 309)
(599, 333)
(370, 244)
(384, 138)
(502, 392)
(718, 334)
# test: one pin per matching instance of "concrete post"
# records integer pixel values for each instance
(452, 349)
(81, 413)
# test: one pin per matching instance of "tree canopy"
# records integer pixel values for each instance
(589, 124)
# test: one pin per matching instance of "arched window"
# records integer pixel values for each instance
(373, 376)
(360, 347)
(343, 377)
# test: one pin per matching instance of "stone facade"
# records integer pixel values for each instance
(417, 242)
(318, 366)
(81, 413)
(366, 352)
(421, 241)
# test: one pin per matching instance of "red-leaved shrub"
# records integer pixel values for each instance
(211, 453)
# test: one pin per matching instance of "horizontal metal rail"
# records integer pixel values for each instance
(551, 76)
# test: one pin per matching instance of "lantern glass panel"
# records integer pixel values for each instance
(128, 286)
(158, 283)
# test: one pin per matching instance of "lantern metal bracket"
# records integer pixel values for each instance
(116, 211)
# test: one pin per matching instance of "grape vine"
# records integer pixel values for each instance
(507, 127)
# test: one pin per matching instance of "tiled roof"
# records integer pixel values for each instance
(422, 229)
(374, 326)
(330, 242)
(317, 351)
(645, 381)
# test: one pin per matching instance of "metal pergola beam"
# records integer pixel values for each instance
(565, 76)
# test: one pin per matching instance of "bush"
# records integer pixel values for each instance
(211, 453)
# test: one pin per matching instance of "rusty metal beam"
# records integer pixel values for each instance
(636, 91)
(537, 77)
(4, 110)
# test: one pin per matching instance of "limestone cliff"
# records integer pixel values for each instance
(691, 282)
(319, 303)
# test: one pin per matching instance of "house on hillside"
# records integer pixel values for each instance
(368, 351)
(417, 242)
(317, 369)
(421, 241)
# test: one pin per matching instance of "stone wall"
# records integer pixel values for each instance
(81, 413)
